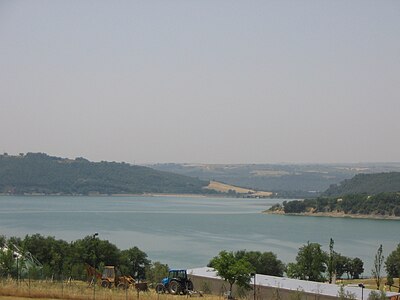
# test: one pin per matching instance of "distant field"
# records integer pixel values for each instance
(225, 188)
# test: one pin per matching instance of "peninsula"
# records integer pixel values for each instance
(363, 196)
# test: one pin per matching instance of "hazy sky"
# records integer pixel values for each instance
(201, 81)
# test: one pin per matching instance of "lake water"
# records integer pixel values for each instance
(187, 232)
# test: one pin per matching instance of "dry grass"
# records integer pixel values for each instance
(370, 283)
(46, 290)
(224, 188)
(9, 289)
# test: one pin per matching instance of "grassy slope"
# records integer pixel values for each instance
(225, 188)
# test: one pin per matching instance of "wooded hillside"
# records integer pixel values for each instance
(370, 184)
(365, 194)
(383, 204)
(284, 180)
(44, 174)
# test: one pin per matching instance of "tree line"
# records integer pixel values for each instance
(312, 264)
(61, 260)
(383, 204)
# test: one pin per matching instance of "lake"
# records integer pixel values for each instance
(186, 232)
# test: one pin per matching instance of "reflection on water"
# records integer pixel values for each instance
(188, 232)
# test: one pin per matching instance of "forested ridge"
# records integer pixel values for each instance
(284, 180)
(40, 173)
(364, 194)
(383, 204)
(370, 184)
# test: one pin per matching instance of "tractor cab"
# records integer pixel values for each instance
(112, 277)
(109, 274)
(175, 274)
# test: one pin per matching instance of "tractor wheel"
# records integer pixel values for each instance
(105, 284)
(189, 285)
(122, 286)
(174, 287)
(160, 288)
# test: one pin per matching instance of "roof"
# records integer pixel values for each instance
(295, 284)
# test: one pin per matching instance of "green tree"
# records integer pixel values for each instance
(271, 265)
(310, 263)
(7, 264)
(356, 267)
(156, 271)
(377, 268)
(92, 251)
(392, 265)
(232, 269)
(341, 264)
(293, 270)
(134, 262)
(2, 240)
(265, 263)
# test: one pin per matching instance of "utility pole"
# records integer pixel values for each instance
(94, 265)
(254, 285)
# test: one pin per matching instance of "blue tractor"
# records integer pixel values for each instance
(176, 283)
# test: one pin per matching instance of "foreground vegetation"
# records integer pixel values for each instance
(61, 260)
(64, 263)
(38, 173)
(312, 264)
(44, 290)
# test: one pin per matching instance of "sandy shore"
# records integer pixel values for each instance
(177, 195)
(334, 215)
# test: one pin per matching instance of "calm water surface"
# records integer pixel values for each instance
(187, 232)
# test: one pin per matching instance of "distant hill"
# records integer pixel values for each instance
(284, 180)
(39, 173)
(382, 205)
(370, 184)
(376, 195)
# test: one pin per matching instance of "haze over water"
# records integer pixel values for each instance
(187, 232)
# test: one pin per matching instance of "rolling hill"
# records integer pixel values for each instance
(284, 180)
(369, 184)
(373, 195)
(39, 173)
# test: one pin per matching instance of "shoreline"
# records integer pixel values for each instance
(333, 215)
(119, 195)
(244, 196)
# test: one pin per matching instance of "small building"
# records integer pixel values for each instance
(271, 287)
